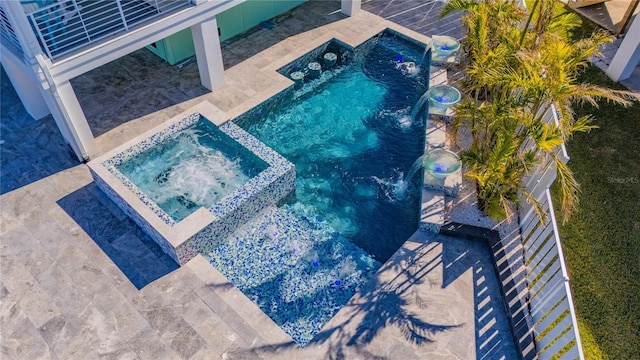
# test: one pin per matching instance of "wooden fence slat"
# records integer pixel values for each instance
(529, 222)
(544, 240)
(543, 259)
(534, 218)
(536, 176)
(554, 315)
(572, 353)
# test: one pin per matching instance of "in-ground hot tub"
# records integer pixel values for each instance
(189, 181)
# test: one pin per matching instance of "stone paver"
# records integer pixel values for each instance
(78, 280)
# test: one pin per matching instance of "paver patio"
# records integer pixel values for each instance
(80, 280)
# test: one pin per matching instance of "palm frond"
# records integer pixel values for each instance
(457, 5)
(569, 188)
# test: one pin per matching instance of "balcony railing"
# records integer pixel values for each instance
(64, 26)
(7, 31)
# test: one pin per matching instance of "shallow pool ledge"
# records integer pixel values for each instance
(187, 238)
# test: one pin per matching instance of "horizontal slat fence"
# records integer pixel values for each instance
(550, 301)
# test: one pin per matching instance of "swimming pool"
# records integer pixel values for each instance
(299, 207)
(350, 136)
(351, 139)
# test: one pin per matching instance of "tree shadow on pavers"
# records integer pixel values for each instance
(389, 300)
(139, 258)
(492, 331)
(30, 149)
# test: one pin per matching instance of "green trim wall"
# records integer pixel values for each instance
(232, 22)
(175, 48)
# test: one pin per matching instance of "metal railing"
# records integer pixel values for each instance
(64, 26)
(555, 326)
(7, 31)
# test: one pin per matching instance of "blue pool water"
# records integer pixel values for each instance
(196, 167)
(351, 138)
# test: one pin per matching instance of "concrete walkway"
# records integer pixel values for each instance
(80, 281)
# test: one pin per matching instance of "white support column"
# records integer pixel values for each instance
(351, 7)
(69, 117)
(628, 55)
(17, 68)
(25, 84)
(32, 80)
(208, 53)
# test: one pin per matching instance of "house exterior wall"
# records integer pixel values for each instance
(231, 22)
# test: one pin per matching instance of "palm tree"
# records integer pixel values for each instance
(515, 75)
(484, 45)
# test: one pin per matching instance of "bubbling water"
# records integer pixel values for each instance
(408, 68)
(394, 188)
(187, 172)
(397, 189)
(400, 117)
(201, 176)
(199, 179)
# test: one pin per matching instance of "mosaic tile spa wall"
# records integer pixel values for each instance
(185, 239)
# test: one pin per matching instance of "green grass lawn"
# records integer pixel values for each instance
(601, 241)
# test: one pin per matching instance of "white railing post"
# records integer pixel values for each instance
(124, 20)
(40, 35)
(565, 276)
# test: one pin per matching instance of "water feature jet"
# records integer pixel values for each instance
(400, 188)
(443, 96)
(444, 46)
(439, 162)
